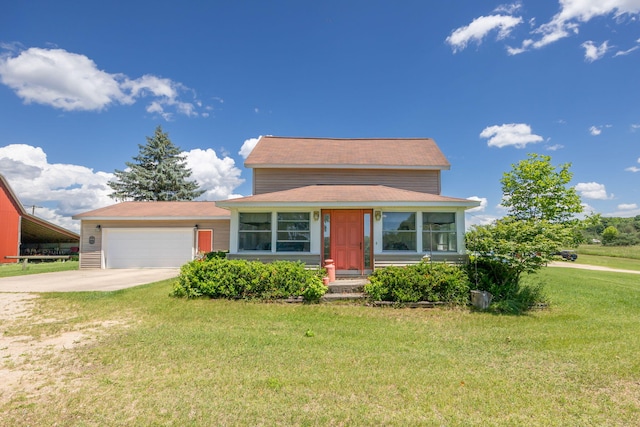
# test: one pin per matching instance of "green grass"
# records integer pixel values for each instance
(631, 252)
(17, 269)
(611, 262)
(211, 362)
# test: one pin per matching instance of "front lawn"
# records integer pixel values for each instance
(168, 361)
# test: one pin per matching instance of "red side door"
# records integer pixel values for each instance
(205, 241)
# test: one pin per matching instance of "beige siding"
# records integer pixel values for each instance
(270, 180)
(90, 254)
(220, 234)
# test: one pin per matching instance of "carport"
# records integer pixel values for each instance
(24, 234)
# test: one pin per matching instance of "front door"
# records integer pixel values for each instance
(346, 236)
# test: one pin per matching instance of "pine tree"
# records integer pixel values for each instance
(158, 173)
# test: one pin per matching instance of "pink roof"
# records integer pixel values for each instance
(344, 194)
(401, 153)
(177, 210)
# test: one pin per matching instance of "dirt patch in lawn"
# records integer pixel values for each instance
(34, 366)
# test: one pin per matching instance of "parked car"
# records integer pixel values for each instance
(568, 255)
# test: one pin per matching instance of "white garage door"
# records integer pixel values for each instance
(147, 247)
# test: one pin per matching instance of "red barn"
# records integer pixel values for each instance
(24, 234)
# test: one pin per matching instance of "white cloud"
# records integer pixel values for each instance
(473, 219)
(575, 12)
(634, 126)
(633, 168)
(483, 204)
(479, 28)
(593, 52)
(219, 177)
(572, 14)
(475, 216)
(248, 146)
(509, 9)
(626, 52)
(592, 190)
(624, 213)
(595, 130)
(62, 190)
(73, 82)
(554, 147)
(515, 134)
(627, 206)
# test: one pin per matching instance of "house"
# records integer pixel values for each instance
(359, 202)
(24, 234)
(151, 234)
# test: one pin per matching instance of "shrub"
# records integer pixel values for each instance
(509, 295)
(218, 277)
(435, 282)
(214, 254)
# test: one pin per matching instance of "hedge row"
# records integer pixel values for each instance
(239, 279)
(434, 282)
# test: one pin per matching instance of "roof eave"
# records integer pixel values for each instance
(156, 218)
(343, 166)
(355, 204)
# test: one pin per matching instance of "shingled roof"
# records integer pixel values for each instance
(360, 195)
(158, 210)
(400, 153)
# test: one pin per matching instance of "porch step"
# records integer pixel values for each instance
(347, 286)
(348, 296)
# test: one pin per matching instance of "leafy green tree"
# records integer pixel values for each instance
(536, 190)
(610, 234)
(540, 221)
(520, 246)
(158, 173)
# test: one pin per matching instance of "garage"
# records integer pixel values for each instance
(147, 247)
(151, 234)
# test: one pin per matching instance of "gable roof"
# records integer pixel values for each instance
(34, 229)
(157, 210)
(348, 195)
(389, 153)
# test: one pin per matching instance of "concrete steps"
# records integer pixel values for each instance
(346, 289)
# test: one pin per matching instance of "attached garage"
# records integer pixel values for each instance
(149, 247)
(151, 234)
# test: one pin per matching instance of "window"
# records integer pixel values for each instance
(293, 232)
(399, 231)
(327, 236)
(254, 232)
(439, 232)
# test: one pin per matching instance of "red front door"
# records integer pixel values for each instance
(347, 240)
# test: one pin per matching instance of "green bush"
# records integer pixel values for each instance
(214, 254)
(218, 277)
(509, 294)
(435, 282)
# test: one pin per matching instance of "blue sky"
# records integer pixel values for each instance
(83, 83)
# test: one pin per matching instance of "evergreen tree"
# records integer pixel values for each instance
(158, 173)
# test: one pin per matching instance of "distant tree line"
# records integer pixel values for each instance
(611, 231)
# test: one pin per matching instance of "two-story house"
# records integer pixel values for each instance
(359, 202)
